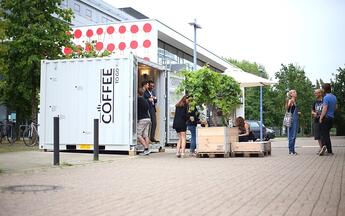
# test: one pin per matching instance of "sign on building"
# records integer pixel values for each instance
(140, 38)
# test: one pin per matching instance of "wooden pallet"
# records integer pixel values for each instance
(247, 154)
(212, 154)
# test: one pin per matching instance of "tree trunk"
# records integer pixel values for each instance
(213, 115)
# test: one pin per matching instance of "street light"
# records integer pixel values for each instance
(196, 26)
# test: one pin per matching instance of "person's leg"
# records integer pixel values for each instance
(192, 130)
(323, 136)
(320, 143)
(328, 124)
(289, 132)
(294, 131)
(140, 133)
(178, 145)
(146, 136)
(294, 136)
(183, 142)
(317, 133)
(142, 141)
(153, 125)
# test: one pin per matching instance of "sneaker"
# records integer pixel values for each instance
(147, 152)
(178, 155)
(322, 151)
(192, 154)
(182, 155)
(295, 153)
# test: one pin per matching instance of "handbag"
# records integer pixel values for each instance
(287, 119)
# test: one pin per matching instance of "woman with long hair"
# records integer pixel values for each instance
(291, 106)
(244, 133)
(243, 129)
(180, 125)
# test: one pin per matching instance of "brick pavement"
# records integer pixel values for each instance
(164, 185)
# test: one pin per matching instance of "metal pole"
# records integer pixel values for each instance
(95, 139)
(261, 113)
(194, 51)
(195, 26)
(56, 141)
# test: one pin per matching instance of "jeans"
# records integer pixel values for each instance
(326, 126)
(292, 131)
(192, 129)
(153, 125)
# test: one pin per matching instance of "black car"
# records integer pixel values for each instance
(255, 128)
(271, 133)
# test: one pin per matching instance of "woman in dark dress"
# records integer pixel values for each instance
(180, 125)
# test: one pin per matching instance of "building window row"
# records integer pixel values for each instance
(168, 54)
(82, 10)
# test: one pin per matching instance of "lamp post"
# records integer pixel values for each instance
(196, 26)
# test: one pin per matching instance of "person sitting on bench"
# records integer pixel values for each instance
(244, 132)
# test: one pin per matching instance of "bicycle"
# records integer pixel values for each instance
(30, 134)
(7, 129)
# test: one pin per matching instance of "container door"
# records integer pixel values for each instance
(174, 79)
(134, 96)
(117, 104)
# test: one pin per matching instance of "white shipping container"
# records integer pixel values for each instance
(80, 90)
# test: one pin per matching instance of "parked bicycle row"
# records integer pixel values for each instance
(10, 133)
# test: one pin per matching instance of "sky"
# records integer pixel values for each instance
(310, 33)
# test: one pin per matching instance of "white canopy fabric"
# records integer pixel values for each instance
(247, 79)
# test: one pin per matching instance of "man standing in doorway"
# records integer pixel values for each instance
(326, 118)
(150, 95)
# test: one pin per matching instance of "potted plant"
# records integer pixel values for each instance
(220, 94)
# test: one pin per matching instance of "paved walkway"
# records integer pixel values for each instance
(161, 184)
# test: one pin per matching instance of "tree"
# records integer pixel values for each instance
(32, 30)
(293, 77)
(220, 93)
(319, 83)
(339, 92)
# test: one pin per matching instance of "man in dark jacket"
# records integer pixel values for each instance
(150, 95)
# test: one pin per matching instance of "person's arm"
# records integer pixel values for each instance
(154, 97)
(313, 111)
(288, 104)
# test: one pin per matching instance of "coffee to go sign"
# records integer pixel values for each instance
(108, 79)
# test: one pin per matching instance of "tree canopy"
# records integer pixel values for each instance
(293, 77)
(220, 93)
(30, 31)
(339, 91)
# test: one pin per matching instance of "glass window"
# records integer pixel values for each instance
(88, 13)
(76, 7)
(253, 124)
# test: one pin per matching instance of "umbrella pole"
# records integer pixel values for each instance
(261, 113)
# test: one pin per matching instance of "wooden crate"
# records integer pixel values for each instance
(261, 147)
(214, 139)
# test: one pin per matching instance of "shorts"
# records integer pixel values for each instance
(178, 130)
(143, 127)
(317, 131)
